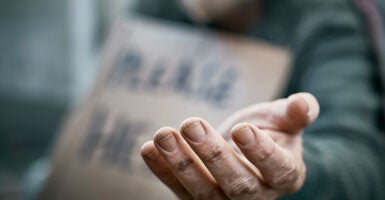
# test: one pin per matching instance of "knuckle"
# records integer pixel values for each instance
(242, 189)
(213, 154)
(183, 165)
(265, 153)
(286, 179)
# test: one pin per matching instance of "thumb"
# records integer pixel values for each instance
(301, 110)
(290, 115)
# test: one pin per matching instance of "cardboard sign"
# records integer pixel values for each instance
(155, 74)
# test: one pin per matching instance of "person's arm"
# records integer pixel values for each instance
(344, 149)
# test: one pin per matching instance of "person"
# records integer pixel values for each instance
(336, 69)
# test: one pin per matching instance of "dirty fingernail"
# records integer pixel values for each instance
(167, 141)
(244, 136)
(195, 132)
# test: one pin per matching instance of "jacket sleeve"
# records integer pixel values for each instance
(344, 149)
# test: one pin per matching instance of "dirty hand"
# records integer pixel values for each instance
(199, 163)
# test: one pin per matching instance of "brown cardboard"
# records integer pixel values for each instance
(154, 74)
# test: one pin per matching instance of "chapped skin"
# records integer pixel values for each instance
(268, 164)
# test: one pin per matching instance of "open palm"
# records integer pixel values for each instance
(198, 161)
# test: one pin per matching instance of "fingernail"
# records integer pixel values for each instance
(148, 151)
(167, 141)
(194, 132)
(244, 136)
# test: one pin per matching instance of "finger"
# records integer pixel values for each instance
(281, 170)
(186, 166)
(160, 168)
(290, 115)
(300, 110)
(236, 179)
(247, 114)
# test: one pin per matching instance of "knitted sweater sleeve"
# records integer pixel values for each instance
(344, 149)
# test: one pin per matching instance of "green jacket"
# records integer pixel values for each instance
(336, 60)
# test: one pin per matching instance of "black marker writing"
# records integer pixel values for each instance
(209, 82)
(116, 146)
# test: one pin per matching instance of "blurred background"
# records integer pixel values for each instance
(48, 59)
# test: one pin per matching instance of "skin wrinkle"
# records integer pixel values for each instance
(282, 163)
(286, 172)
(185, 164)
(217, 160)
(287, 176)
(213, 155)
(244, 188)
(286, 180)
(166, 176)
(186, 168)
(262, 153)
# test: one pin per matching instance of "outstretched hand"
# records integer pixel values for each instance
(198, 161)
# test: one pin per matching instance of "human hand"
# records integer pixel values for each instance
(197, 162)
(204, 11)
